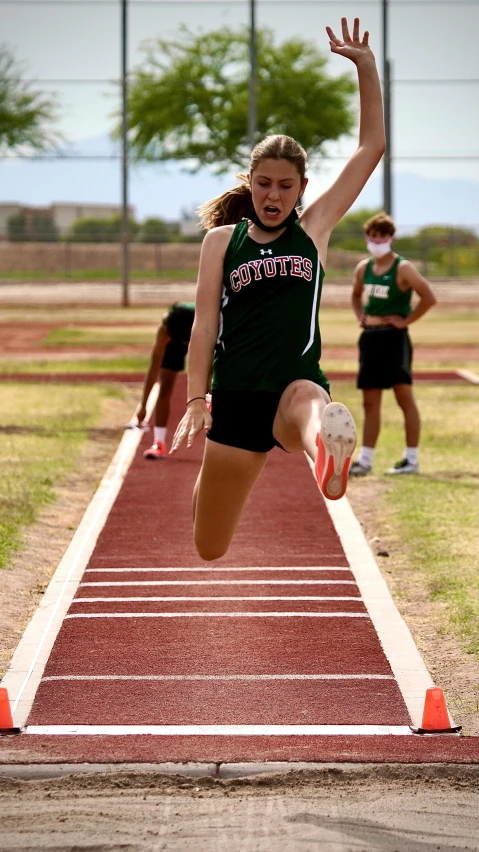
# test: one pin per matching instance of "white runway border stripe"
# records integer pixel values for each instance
(209, 570)
(233, 677)
(26, 668)
(220, 730)
(218, 615)
(248, 598)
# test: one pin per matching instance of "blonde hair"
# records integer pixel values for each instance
(236, 203)
(382, 223)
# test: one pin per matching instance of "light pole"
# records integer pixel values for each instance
(125, 238)
(252, 117)
(387, 172)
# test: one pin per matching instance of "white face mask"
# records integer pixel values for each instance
(378, 249)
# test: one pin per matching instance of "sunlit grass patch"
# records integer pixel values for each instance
(41, 434)
(53, 314)
(339, 327)
(125, 364)
(436, 513)
(103, 335)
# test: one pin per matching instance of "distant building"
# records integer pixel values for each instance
(7, 209)
(190, 227)
(63, 214)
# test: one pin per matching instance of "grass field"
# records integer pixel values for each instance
(439, 328)
(435, 514)
(41, 436)
(338, 328)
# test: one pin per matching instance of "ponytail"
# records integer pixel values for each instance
(229, 208)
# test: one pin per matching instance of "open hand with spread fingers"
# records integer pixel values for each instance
(353, 48)
(196, 418)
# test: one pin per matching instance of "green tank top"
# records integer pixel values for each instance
(383, 294)
(269, 331)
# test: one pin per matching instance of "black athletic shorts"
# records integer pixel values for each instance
(385, 357)
(174, 356)
(244, 419)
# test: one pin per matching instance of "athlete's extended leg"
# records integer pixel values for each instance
(372, 416)
(371, 427)
(226, 479)
(412, 421)
(307, 421)
(412, 426)
(167, 382)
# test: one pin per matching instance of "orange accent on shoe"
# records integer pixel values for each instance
(157, 451)
(325, 470)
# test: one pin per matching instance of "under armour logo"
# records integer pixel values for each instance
(265, 251)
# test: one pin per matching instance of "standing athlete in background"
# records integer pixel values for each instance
(167, 360)
(385, 351)
(257, 302)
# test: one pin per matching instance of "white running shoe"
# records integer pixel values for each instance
(335, 442)
(358, 469)
(401, 467)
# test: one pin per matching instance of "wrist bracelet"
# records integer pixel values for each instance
(196, 397)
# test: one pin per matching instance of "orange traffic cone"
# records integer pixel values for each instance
(435, 718)
(6, 721)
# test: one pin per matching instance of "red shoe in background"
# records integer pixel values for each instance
(157, 451)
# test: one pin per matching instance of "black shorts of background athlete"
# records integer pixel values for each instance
(244, 419)
(174, 356)
(385, 357)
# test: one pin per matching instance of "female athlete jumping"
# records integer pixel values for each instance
(258, 295)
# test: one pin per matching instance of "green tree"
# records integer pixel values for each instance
(33, 226)
(189, 99)
(348, 233)
(91, 229)
(27, 116)
(156, 230)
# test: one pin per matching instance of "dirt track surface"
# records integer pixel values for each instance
(418, 809)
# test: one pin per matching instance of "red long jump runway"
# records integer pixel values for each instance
(269, 654)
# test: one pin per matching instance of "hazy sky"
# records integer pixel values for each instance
(430, 41)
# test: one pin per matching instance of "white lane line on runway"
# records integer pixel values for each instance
(469, 375)
(218, 615)
(248, 598)
(398, 645)
(249, 677)
(220, 583)
(205, 570)
(28, 662)
(221, 730)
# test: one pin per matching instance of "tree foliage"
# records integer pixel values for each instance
(27, 116)
(93, 229)
(156, 230)
(189, 99)
(34, 226)
(348, 233)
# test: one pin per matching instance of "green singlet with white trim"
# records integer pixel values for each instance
(269, 330)
(384, 297)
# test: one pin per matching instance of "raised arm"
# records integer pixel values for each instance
(203, 335)
(323, 214)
